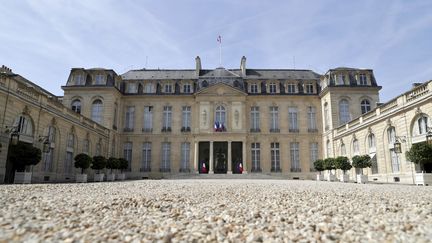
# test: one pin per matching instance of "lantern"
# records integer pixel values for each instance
(397, 147)
(14, 138)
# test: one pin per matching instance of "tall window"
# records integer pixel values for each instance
(166, 157)
(292, 117)
(132, 88)
(115, 116)
(371, 143)
(254, 88)
(422, 123)
(295, 157)
(24, 125)
(167, 118)
(97, 110)
(86, 146)
(275, 157)
(291, 88)
(148, 88)
(313, 153)
(395, 161)
(391, 135)
(187, 88)
(168, 88)
(343, 149)
(148, 119)
(365, 106)
(311, 117)
(356, 147)
(99, 79)
(344, 115)
(69, 153)
(220, 118)
(146, 157)
(129, 119)
(272, 88)
(256, 157)
(48, 157)
(185, 156)
(255, 124)
(186, 119)
(340, 79)
(76, 106)
(326, 116)
(79, 79)
(309, 88)
(127, 153)
(362, 79)
(328, 147)
(98, 149)
(274, 119)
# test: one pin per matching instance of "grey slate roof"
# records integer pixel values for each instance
(159, 74)
(281, 74)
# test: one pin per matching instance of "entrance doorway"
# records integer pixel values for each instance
(203, 157)
(220, 152)
(236, 157)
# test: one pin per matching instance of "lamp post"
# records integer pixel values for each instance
(14, 138)
(398, 145)
(429, 136)
(46, 143)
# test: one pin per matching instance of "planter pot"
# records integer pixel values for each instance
(81, 178)
(22, 177)
(121, 177)
(110, 177)
(98, 177)
(344, 178)
(424, 179)
(330, 177)
(362, 179)
(319, 177)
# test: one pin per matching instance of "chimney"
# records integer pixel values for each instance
(416, 84)
(243, 66)
(197, 65)
(5, 69)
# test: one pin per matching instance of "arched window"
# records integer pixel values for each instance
(365, 106)
(148, 88)
(97, 110)
(326, 116)
(24, 125)
(343, 149)
(204, 84)
(356, 147)
(344, 115)
(391, 135)
(328, 149)
(371, 142)
(220, 118)
(236, 84)
(49, 156)
(422, 124)
(76, 106)
(70, 144)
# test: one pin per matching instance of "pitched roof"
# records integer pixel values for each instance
(159, 74)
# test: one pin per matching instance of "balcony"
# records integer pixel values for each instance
(312, 130)
(293, 130)
(185, 129)
(184, 170)
(295, 169)
(128, 129)
(166, 129)
(276, 169)
(147, 130)
(274, 130)
(255, 130)
(145, 169)
(166, 170)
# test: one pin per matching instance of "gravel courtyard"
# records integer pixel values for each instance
(215, 210)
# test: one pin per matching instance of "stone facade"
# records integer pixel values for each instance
(176, 122)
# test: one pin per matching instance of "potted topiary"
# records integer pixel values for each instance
(343, 164)
(99, 163)
(329, 164)
(112, 164)
(123, 165)
(421, 154)
(82, 161)
(24, 155)
(318, 165)
(360, 162)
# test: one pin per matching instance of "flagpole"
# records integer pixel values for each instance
(220, 50)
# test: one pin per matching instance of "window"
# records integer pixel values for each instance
(146, 157)
(343, 149)
(254, 88)
(328, 146)
(204, 84)
(295, 157)
(24, 125)
(129, 119)
(98, 149)
(220, 119)
(148, 119)
(167, 117)
(255, 124)
(256, 157)
(97, 110)
(292, 117)
(291, 88)
(344, 115)
(274, 119)
(70, 142)
(362, 79)
(132, 88)
(79, 79)
(113, 148)
(340, 79)
(48, 157)
(391, 135)
(99, 79)
(166, 154)
(168, 88)
(272, 88)
(187, 88)
(86, 146)
(115, 116)
(422, 123)
(186, 119)
(394, 160)
(275, 157)
(311, 118)
(309, 88)
(313, 153)
(371, 143)
(356, 147)
(365, 106)
(326, 116)
(127, 153)
(76, 106)
(374, 167)
(148, 88)
(185, 156)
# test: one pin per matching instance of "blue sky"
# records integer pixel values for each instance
(42, 40)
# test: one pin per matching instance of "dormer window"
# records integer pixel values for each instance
(291, 88)
(254, 88)
(340, 79)
(168, 88)
(148, 88)
(309, 89)
(132, 88)
(79, 79)
(187, 88)
(272, 88)
(99, 79)
(362, 79)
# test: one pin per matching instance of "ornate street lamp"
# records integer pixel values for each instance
(429, 136)
(14, 138)
(398, 147)
(46, 146)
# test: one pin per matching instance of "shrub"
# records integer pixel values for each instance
(112, 163)
(329, 164)
(99, 163)
(420, 153)
(123, 164)
(318, 165)
(83, 161)
(342, 163)
(361, 162)
(24, 154)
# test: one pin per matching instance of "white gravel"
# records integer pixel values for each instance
(215, 210)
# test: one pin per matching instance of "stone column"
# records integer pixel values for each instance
(244, 157)
(196, 167)
(211, 158)
(229, 160)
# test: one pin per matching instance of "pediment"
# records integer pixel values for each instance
(220, 89)
(220, 73)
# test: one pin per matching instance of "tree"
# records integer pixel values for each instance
(361, 162)
(329, 164)
(420, 153)
(123, 164)
(112, 163)
(83, 161)
(24, 154)
(318, 165)
(342, 163)
(99, 163)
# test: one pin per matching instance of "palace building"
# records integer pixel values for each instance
(273, 122)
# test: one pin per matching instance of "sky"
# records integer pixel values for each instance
(43, 39)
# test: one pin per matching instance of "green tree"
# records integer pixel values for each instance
(99, 163)
(361, 162)
(329, 164)
(24, 154)
(123, 164)
(420, 153)
(318, 165)
(83, 161)
(342, 163)
(112, 163)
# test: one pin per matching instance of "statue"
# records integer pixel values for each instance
(236, 117)
(204, 118)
